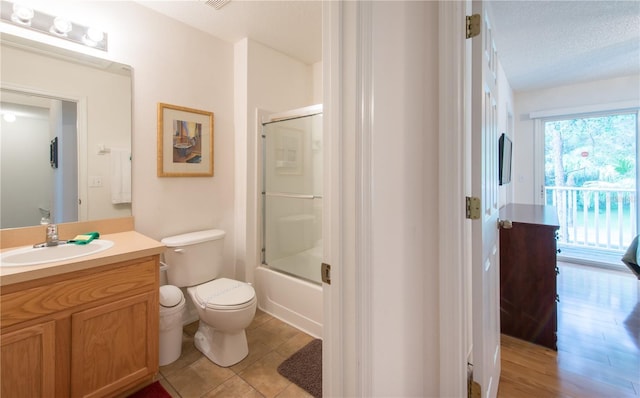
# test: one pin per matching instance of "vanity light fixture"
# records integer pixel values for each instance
(57, 26)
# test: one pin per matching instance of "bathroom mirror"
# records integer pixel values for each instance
(65, 136)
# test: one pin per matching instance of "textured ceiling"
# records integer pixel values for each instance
(539, 43)
(549, 43)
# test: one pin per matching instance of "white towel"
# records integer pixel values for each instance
(120, 176)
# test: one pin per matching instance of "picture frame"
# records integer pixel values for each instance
(185, 142)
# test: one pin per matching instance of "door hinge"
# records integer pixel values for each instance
(326, 273)
(473, 208)
(473, 25)
(473, 388)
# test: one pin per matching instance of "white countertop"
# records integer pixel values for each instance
(128, 245)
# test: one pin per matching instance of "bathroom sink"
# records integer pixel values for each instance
(41, 255)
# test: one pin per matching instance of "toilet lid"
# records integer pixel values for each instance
(224, 292)
(170, 295)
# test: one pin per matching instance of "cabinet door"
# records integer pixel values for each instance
(114, 345)
(528, 283)
(27, 361)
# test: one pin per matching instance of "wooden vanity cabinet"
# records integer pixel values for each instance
(90, 333)
(27, 357)
(528, 270)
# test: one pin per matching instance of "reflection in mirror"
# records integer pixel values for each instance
(39, 162)
(66, 156)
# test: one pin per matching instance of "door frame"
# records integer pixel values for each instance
(333, 369)
(348, 370)
(453, 186)
(347, 56)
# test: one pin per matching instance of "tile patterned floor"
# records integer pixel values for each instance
(271, 341)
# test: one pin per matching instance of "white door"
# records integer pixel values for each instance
(484, 185)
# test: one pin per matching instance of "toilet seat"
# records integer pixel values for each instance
(223, 294)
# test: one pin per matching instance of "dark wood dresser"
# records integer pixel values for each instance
(528, 273)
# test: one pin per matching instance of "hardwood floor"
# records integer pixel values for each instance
(598, 341)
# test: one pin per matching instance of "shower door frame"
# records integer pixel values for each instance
(298, 113)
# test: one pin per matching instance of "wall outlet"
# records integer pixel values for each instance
(95, 181)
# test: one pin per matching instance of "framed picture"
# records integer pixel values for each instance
(185, 142)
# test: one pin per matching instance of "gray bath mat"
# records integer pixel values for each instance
(304, 368)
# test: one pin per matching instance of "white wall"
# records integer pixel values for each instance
(178, 65)
(26, 174)
(404, 202)
(317, 83)
(505, 125)
(385, 180)
(578, 95)
(394, 202)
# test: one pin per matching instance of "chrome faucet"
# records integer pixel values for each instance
(52, 237)
(52, 234)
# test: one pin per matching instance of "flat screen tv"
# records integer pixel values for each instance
(504, 159)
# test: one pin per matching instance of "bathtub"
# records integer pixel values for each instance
(292, 300)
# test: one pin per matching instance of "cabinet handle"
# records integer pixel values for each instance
(558, 250)
(505, 224)
(557, 298)
(557, 271)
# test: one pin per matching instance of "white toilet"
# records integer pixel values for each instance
(225, 306)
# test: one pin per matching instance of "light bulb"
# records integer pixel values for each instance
(61, 26)
(22, 14)
(93, 37)
(95, 34)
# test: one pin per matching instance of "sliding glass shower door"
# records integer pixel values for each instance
(292, 197)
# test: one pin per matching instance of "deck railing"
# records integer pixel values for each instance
(597, 218)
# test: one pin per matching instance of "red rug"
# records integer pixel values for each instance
(153, 390)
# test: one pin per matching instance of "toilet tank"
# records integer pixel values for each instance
(194, 258)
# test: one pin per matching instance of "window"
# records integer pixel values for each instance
(590, 175)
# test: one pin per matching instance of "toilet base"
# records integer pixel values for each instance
(223, 349)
